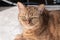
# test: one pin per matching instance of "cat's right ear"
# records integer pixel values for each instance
(41, 7)
(21, 7)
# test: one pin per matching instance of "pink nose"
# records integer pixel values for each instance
(29, 21)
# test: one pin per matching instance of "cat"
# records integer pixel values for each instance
(54, 24)
(38, 23)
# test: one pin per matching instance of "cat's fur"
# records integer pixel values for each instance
(38, 23)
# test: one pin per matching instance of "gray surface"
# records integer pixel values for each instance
(9, 25)
(4, 8)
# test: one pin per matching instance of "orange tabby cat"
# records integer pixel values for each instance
(38, 23)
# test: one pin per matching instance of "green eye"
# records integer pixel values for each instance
(23, 18)
(35, 20)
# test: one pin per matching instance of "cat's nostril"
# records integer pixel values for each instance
(29, 21)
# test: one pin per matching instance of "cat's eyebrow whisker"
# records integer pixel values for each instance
(21, 16)
(34, 17)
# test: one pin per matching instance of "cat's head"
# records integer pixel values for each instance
(29, 16)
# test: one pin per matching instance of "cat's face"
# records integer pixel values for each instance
(30, 16)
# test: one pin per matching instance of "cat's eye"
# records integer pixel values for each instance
(35, 20)
(23, 18)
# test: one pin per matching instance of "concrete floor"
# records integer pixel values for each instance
(4, 8)
(9, 24)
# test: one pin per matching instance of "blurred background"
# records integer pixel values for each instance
(30, 2)
(9, 3)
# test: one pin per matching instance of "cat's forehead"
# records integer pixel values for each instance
(33, 11)
(32, 8)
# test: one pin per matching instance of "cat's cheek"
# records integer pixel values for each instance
(24, 23)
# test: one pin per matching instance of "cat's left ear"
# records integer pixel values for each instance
(41, 7)
(21, 7)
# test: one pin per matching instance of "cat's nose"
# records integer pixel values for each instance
(28, 21)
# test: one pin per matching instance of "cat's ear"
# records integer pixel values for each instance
(21, 7)
(41, 7)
